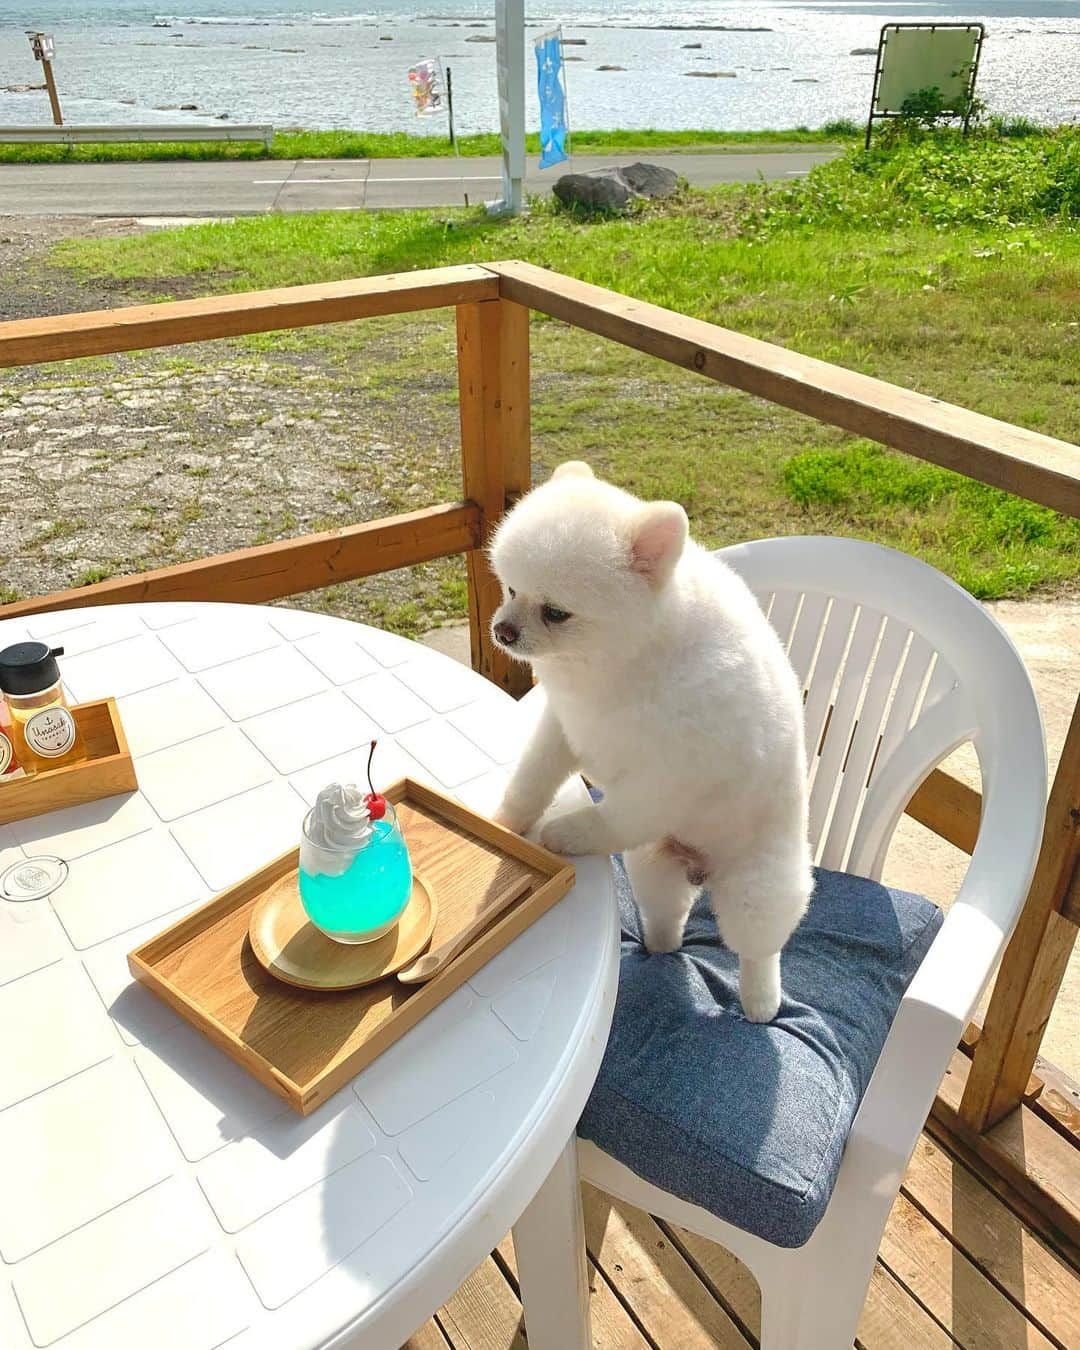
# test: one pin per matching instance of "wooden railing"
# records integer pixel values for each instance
(492, 309)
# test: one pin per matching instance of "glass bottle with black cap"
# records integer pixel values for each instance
(45, 733)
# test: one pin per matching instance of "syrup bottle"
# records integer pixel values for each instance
(45, 733)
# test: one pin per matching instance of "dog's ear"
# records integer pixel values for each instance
(573, 468)
(657, 538)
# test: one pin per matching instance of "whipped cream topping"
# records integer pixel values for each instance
(339, 819)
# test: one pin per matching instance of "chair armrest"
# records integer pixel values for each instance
(927, 1028)
(941, 998)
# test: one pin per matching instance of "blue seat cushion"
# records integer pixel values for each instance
(749, 1121)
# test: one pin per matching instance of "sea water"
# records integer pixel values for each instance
(367, 899)
(344, 63)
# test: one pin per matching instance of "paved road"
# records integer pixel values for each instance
(233, 188)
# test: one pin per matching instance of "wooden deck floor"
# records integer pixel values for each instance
(958, 1267)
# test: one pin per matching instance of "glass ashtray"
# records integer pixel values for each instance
(33, 878)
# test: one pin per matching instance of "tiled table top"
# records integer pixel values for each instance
(153, 1194)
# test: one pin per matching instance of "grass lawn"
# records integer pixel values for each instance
(403, 144)
(983, 314)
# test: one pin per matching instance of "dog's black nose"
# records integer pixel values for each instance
(506, 633)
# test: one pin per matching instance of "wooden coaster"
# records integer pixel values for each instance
(292, 949)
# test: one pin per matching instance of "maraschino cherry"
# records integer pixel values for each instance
(374, 801)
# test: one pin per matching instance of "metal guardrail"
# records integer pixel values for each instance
(91, 135)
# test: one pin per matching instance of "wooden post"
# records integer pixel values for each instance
(54, 101)
(43, 47)
(1035, 959)
(450, 107)
(493, 384)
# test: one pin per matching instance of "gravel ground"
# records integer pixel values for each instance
(27, 289)
(117, 464)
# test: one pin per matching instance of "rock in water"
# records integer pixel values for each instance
(593, 192)
(651, 180)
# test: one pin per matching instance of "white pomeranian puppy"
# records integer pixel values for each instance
(668, 688)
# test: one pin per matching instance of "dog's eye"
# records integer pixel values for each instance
(550, 614)
(511, 592)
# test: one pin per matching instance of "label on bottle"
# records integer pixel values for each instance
(7, 754)
(50, 732)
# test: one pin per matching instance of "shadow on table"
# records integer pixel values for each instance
(385, 1247)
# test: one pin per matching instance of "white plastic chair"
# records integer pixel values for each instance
(912, 667)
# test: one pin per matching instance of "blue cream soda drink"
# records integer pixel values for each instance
(355, 873)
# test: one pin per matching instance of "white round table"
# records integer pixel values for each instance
(153, 1193)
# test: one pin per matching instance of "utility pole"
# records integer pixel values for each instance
(44, 49)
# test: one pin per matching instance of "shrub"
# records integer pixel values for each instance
(1014, 127)
(1002, 536)
(937, 177)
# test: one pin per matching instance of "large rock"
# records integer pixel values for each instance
(614, 189)
(593, 192)
(651, 180)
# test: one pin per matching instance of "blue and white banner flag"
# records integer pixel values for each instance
(550, 84)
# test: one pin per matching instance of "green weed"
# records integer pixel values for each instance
(402, 144)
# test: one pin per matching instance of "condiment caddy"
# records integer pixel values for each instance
(52, 754)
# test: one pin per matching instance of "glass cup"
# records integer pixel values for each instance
(356, 894)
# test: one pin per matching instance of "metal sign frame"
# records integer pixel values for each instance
(969, 93)
(43, 45)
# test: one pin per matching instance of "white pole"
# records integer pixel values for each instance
(510, 56)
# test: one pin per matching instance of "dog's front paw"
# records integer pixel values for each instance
(511, 818)
(575, 832)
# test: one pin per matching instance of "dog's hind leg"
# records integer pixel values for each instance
(663, 895)
(758, 904)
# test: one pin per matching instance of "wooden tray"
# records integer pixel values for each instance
(304, 1045)
(106, 771)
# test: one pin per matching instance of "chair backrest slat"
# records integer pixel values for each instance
(821, 682)
(855, 773)
(845, 711)
(806, 638)
(907, 700)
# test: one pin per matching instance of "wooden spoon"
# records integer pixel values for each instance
(429, 966)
